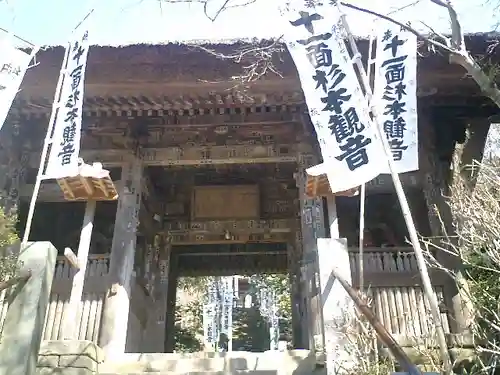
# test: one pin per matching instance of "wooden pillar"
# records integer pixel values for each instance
(15, 161)
(117, 303)
(475, 148)
(71, 312)
(156, 328)
(173, 277)
(293, 258)
(333, 220)
(312, 227)
(435, 167)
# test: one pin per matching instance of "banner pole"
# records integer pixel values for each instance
(362, 199)
(405, 208)
(362, 194)
(45, 149)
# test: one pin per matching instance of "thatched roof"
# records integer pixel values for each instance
(184, 75)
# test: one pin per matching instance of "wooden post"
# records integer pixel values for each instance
(155, 329)
(337, 306)
(75, 300)
(294, 272)
(331, 250)
(312, 227)
(333, 219)
(117, 304)
(23, 327)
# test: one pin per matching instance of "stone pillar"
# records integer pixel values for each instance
(312, 227)
(28, 300)
(117, 303)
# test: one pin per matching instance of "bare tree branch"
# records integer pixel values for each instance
(15, 280)
(222, 8)
(257, 58)
(457, 37)
(456, 48)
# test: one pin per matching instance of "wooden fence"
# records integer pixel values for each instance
(392, 281)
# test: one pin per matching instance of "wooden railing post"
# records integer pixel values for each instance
(23, 327)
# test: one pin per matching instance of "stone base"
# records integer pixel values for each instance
(69, 357)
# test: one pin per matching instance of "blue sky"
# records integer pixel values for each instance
(121, 22)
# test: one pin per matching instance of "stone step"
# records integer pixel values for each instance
(296, 362)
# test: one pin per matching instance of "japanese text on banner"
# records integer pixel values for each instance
(65, 150)
(13, 66)
(395, 94)
(351, 151)
(227, 313)
(210, 309)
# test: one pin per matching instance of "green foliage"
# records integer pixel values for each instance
(250, 330)
(189, 327)
(8, 236)
(279, 283)
(193, 284)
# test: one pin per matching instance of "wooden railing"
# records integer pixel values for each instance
(89, 315)
(392, 281)
(385, 259)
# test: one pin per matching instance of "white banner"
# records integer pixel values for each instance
(66, 135)
(395, 94)
(227, 313)
(209, 326)
(210, 309)
(13, 66)
(351, 150)
(274, 329)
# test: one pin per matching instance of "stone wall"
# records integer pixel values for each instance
(69, 358)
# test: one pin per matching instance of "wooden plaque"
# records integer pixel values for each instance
(225, 202)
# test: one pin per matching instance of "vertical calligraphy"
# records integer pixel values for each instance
(337, 107)
(395, 93)
(65, 148)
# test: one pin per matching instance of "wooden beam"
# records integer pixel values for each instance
(238, 154)
(233, 226)
(229, 232)
(169, 123)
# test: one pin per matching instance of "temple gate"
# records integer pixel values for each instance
(216, 175)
